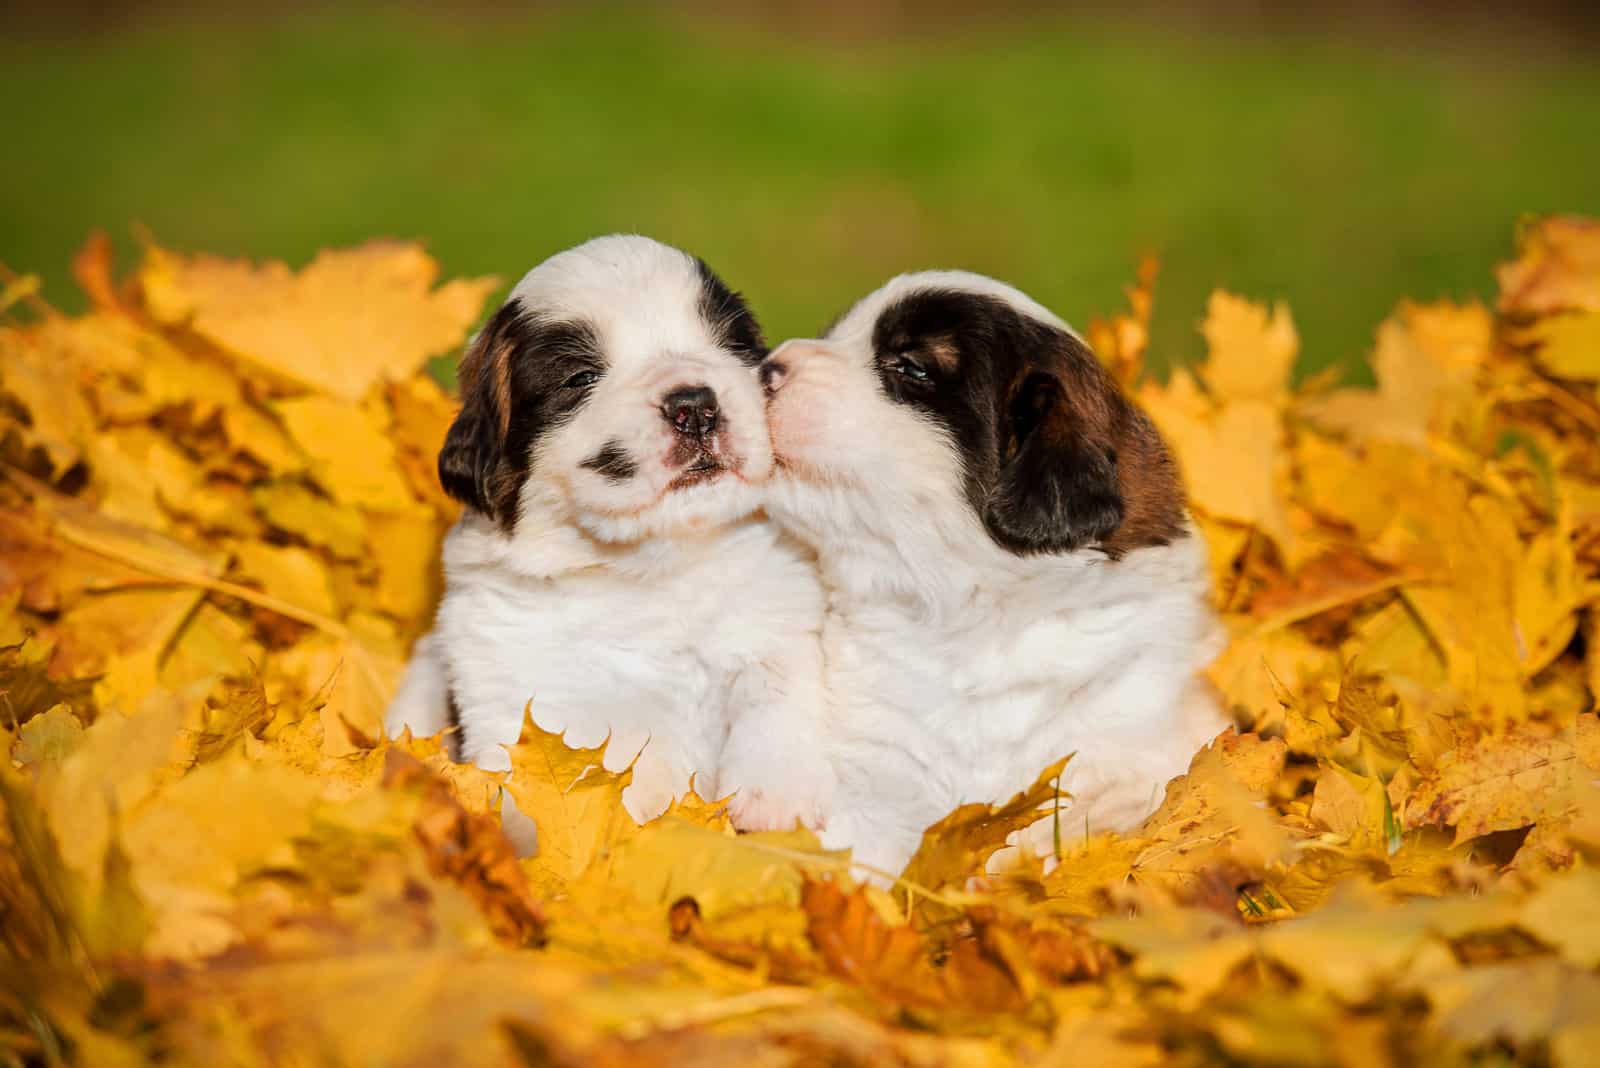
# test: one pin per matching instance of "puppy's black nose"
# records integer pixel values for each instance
(773, 373)
(692, 411)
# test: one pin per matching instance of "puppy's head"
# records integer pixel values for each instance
(947, 391)
(615, 389)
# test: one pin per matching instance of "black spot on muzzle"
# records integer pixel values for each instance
(612, 463)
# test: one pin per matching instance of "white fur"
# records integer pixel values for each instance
(679, 622)
(955, 670)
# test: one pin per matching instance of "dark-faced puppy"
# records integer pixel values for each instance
(1009, 564)
(610, 566)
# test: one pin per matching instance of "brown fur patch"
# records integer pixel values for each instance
(1147, 477)
(1152, 492)
(944, 352)
(489, 359)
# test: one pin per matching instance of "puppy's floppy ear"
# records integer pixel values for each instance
(1081, 466)
(474, 449)
(1058, 489)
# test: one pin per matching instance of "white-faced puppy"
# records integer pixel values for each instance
(610, 566)
(1010, 570)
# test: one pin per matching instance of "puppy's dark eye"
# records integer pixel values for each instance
(909, 369)
(582, 380)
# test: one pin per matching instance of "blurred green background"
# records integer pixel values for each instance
(1338, 163)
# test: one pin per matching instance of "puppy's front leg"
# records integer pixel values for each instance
(422, 702)
(775, 761)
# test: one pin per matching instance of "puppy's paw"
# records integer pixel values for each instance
(657, 782)
(773, 792)
(879, 851)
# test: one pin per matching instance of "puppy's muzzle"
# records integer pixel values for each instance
(692, 411)
(773, 373)
(779, 368)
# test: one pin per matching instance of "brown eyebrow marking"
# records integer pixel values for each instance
(491, 355)
(500, 364)
(945, 352)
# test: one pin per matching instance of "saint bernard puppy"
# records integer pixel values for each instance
(1010, 569)
(611, 566)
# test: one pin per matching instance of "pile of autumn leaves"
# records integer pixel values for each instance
(218, 522)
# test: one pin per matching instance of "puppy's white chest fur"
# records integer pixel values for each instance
(936, 708)
(658, 647)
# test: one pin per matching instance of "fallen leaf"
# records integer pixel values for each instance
(49, 737)
(1211, 818)
(1557, 268)
(963, 841)
(1520, 1001)
(1194, 948)
(470, 849)
(1499, 783)
(1555, 914)
(1250, 351)
(894, 963)
(345, 322)
(574, 801)
(1569, 345)
(351, 456)
(295, 508)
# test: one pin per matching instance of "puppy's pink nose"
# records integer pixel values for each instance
(773, 374)
(692, 411)
(785, 358)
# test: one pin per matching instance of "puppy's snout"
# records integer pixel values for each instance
(786, 359)
(692, 410)
(773, 374)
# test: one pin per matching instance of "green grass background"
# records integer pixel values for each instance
(1338, 172)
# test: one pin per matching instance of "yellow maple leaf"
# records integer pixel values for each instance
(423, 413)
(350, 678)
(1550, 591)
(1211, 818)
(572, 799)
(405, 549)
(347, 321)
(59, 423)
(351, 455)
(1502, 781)
(1559, 913)
(1426, 362)
(1523, 1001)
(186, 862)
(212, 645)
(1250, 351)
(49, 737)
(288, 571)
(963, 842)
(294, 508)
(670, 858)
(1568, 345)
(258, 436)
(1087, 869)
(1352, 945)
(1557, 268)
(1194, 948)
(1121, 340)
(1232, 457)
(114, 766)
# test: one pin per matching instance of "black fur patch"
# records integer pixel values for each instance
(960, 398)
(612, 463)
(452, 734)
(513, 391)
(729, 318)
(1055, 457)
